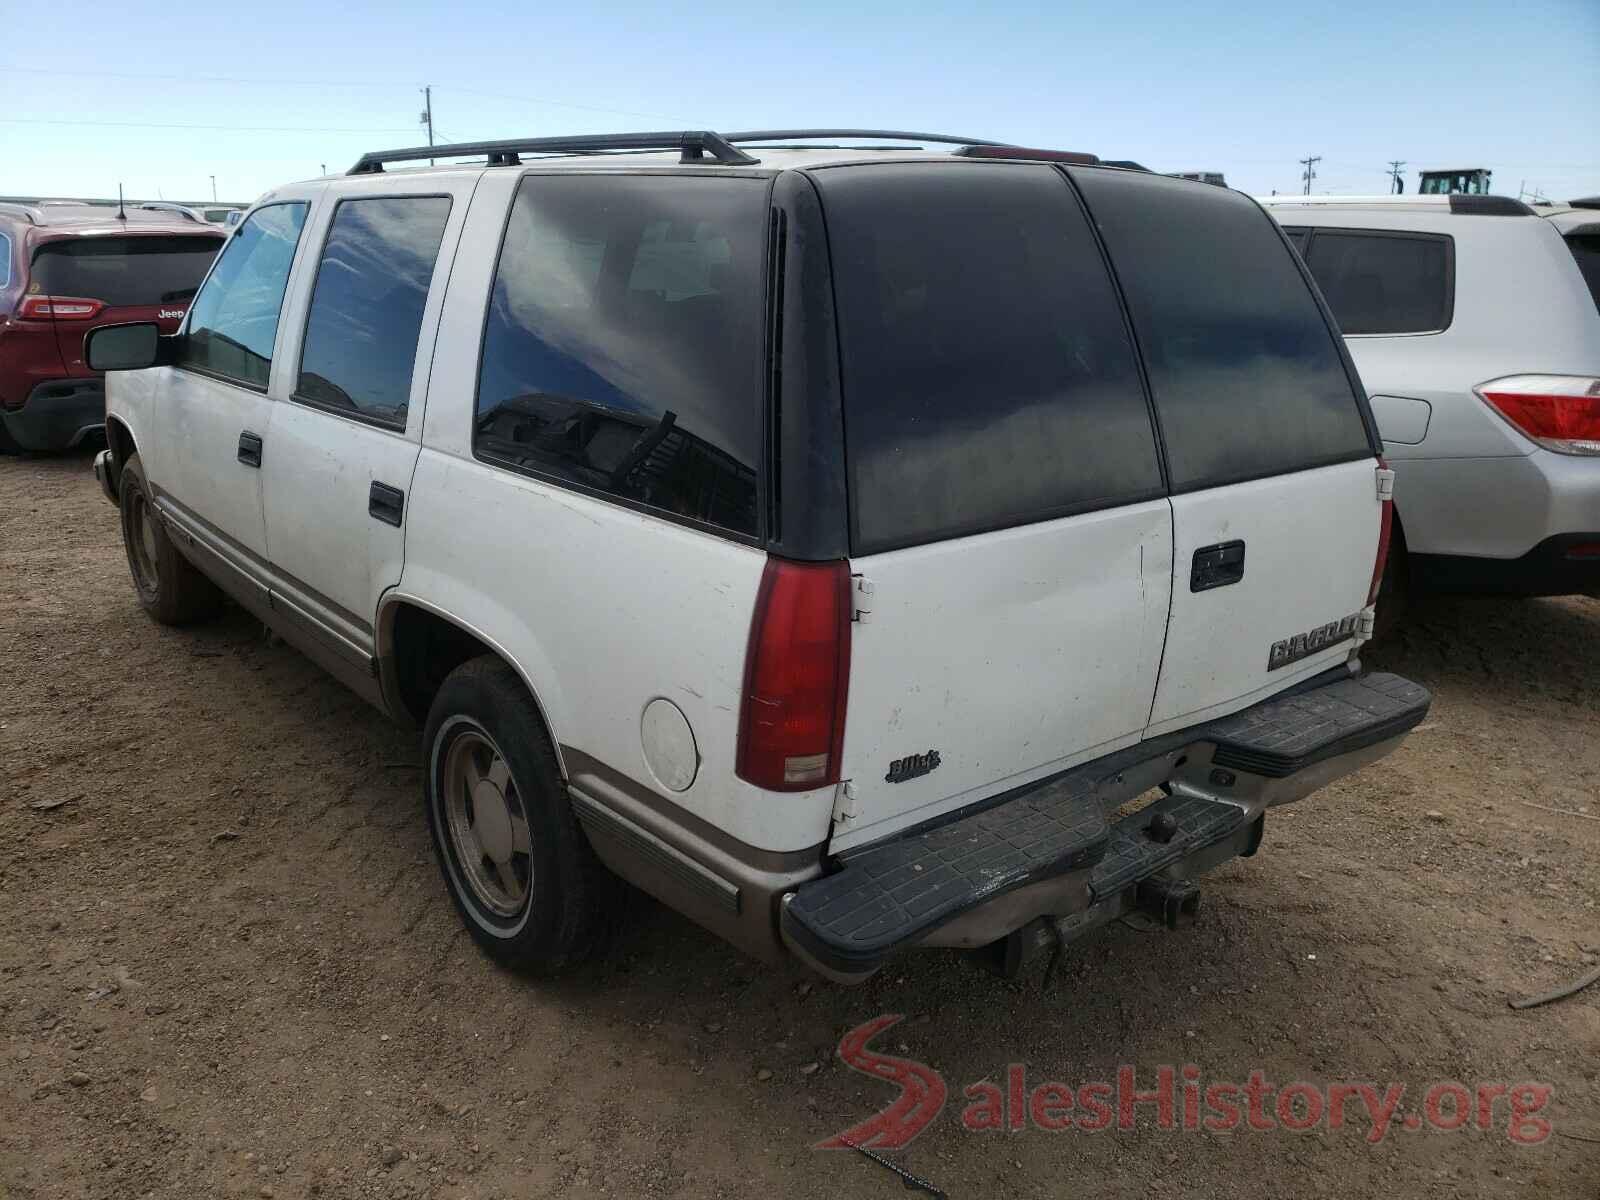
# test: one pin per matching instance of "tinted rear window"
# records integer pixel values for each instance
(623, 351)
(988, 376)
(125, 271)
(1585, 248)
(1247, 375)
(1383, 283)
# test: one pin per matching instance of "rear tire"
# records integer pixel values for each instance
(8, 444)
(170, 588)
(523, 877)
(1394, 589)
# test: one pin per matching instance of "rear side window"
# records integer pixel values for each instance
(366, 306)
(623, 349)
(988, 376)
(234, 320)
(5, 261)
(119, 271)
(1247, 375)
(1383, 283)
(1585, 248)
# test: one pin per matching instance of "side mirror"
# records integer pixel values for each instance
(123, 347)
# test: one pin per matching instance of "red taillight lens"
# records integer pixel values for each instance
(1559, 412)
(1385, 532)
(797, 674)
(60, 308)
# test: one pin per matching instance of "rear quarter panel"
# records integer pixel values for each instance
(600, 608)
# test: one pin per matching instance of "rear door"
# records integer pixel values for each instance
(1276, 516)
(132, 277)
(1007, 506)
(338, 463)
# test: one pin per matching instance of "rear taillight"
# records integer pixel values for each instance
(1385, 527)
(60, 308)
(797, 673)
(1559, 412)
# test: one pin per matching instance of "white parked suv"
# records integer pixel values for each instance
(827, 540)
(1475, 324)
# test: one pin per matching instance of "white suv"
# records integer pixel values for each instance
(1475, 324)
(827, 540)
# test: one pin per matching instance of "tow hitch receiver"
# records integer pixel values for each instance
(1175, 902)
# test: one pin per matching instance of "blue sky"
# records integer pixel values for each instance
(1247, 88)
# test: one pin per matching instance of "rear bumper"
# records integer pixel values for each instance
(1495, 508)
(1052, 860)
(58, 415)
(1564, 565)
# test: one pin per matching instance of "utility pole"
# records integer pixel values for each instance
(213, 189)
(1310, 165)
(1394, 173)
(427, 114)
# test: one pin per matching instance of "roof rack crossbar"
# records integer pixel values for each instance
(884, 135)
(696, 145)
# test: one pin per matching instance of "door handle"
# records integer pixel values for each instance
(387, 504)
(1217, 566)
(250, 449)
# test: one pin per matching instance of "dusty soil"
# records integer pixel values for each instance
(227, 966)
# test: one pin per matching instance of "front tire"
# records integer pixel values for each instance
(170, 588)
(516, 863)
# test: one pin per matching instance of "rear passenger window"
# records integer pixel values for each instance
(366, 306)
(987, 372)
(1247, 375)
(1585, 249)
(1383, 283)
(623, 350)
(234, 320)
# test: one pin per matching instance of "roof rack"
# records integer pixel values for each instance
(171, 206)
(695, 144)
(27, 212)
(880, 135)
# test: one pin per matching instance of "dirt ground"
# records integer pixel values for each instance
(228, 967)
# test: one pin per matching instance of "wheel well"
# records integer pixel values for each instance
(426, 648)
(121, 443)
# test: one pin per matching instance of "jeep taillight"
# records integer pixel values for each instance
(60, 308)
(1558, 412)
(1385, 527)
(797, 673)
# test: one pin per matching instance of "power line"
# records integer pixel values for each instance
(359, 83)
(224, 128)
(1310, 165)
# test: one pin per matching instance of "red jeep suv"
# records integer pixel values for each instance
(67, 268)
